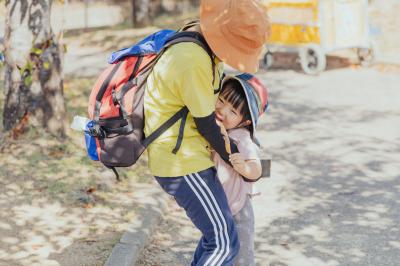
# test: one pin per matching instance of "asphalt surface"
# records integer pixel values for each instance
(334, 194)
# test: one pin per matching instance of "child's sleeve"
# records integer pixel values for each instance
(247, 147)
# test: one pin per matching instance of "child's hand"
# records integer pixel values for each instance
(250, 169)
(238, 162)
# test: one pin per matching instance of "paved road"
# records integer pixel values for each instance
(334, 195)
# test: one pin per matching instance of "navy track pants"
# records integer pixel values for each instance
(203, 198)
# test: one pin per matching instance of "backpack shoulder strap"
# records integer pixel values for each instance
(194, 37)
(189, 36)
(180, 37)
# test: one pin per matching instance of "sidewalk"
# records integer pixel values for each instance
(126, 252)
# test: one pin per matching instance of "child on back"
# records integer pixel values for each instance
(240, 103)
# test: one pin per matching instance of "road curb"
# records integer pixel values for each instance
(127, 251)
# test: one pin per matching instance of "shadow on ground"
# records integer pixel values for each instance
(338, 198)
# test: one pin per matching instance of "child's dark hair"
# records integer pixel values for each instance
(236, 96)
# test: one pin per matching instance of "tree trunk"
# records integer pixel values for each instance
(156, 8)
(184, 6)
(195, 3)
(142, 13)
(133, 8)
(33, 68)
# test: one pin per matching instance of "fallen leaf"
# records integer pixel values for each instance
(90, 240)
(21, 127)
(36, 247)
(90, 190)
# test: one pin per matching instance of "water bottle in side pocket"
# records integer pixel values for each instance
(91, 146)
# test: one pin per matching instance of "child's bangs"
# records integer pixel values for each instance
(234, 94)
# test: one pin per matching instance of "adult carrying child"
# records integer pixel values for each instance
(186, 76)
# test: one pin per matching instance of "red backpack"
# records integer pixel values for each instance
(115, 136)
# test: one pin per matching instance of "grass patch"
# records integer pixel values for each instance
(77, 92)
(58, 187)
(61, 169)
(40, 171)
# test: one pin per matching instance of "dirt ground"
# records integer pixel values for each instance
(56, 206)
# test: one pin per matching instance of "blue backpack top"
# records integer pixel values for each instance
(152, 44)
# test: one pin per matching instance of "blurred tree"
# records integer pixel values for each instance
(144, 11)
(187, 5)
(33, 68)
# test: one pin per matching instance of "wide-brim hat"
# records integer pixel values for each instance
(257, 96)
(236, 31)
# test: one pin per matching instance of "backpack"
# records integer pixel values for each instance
(115, 136)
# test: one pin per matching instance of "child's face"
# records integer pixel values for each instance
(229, 116)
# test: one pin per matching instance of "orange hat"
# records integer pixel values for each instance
(236, 31)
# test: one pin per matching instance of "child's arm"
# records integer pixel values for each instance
(250, 169)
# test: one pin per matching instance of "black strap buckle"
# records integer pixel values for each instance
(97, 132)
(114, 96)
